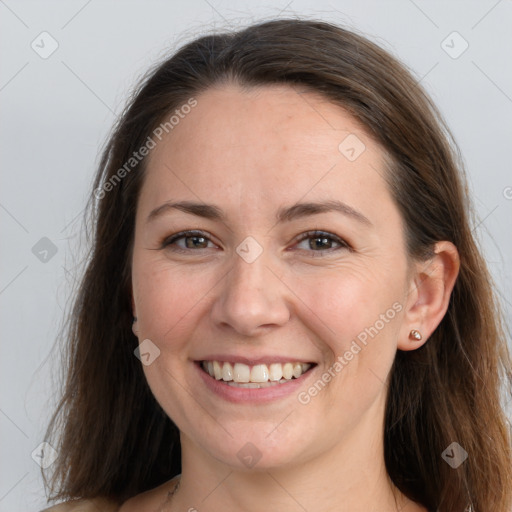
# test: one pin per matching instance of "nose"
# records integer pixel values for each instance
(251, 299)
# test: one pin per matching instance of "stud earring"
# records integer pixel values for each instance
(134, 319)
(415, 335)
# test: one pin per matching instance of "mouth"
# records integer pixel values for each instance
(257, 376)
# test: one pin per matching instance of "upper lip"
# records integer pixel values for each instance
(252, 361)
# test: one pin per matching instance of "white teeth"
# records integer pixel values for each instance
(217, 370)
(254, 384)
(288, 370)
(227, 372)
(260, 375)
(241, 373)
(297, 370)
(275, 371)
(245, 384)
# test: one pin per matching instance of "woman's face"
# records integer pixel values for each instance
(258, 169)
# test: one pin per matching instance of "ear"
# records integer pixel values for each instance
(430, 287)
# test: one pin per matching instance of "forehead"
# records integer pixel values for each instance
(261, 147)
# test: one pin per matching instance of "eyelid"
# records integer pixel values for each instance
(167, 241)
(326, 234)
(184, 234)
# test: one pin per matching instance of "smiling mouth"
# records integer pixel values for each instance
(257, 376)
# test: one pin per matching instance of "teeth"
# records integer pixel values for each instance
(253, 384)
(260, 375)
(227, 372)
(217, 370)
(297, 370)
(275, 371)
(288, 371)
(242, 373)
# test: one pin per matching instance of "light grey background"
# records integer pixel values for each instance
(57, 111)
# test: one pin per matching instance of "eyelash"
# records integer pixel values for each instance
(167, 242)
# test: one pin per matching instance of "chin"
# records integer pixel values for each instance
(260, 447)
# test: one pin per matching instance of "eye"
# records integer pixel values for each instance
(314, 241)
(186, 241)
(321, 241)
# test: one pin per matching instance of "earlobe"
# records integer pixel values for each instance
(135, 328)
(429, 296)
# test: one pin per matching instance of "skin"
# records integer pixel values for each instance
(251, 152)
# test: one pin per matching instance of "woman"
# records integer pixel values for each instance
(284, 307)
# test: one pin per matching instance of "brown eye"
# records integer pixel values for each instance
(186, 241)
(194, 242)
(319, 241)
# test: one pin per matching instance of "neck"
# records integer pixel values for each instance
(350, 477)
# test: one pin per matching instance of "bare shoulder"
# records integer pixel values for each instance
(150, 500)
(145, 501)
(95, 505)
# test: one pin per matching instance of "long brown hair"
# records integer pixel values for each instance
(113, 438)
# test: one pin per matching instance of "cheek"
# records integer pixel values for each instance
(168, 300)
(357, 315)
(359, 344)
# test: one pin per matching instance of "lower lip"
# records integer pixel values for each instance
(252, 395)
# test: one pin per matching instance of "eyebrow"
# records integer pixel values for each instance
(284, 214)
